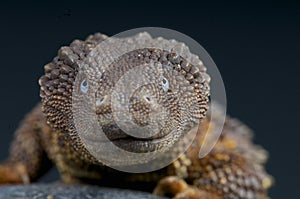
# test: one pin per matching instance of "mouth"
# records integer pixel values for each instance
(138, 145)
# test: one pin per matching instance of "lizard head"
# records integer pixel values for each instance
(145, 100)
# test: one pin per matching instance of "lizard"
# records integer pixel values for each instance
(234, 168)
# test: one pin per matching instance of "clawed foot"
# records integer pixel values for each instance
(13, 174)
(177, 188)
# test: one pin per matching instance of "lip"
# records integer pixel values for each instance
(137, 145)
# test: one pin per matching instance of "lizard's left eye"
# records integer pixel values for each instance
(165, 84)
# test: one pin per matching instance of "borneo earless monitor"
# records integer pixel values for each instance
(232, 170)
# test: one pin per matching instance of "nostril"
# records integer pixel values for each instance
(148, 99)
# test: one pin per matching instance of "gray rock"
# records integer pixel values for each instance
(61, 191)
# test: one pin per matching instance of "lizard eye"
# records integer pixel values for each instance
(165, 84)
(84, 87)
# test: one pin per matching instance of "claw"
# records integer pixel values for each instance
(170, 186)
(13, 174)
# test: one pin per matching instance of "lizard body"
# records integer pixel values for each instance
(233, 169)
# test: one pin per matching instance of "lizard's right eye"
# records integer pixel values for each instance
(84, 87)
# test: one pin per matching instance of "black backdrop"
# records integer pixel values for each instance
(255, 46)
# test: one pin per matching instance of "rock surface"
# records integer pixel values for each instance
(60, 191)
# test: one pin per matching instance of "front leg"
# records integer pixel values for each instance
(232, 170)
(220, 175)
(27, 159)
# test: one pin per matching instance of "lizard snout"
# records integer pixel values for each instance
(140, 107)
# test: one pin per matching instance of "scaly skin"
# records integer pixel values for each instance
(233, 169)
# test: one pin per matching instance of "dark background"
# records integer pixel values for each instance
(255, 46)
